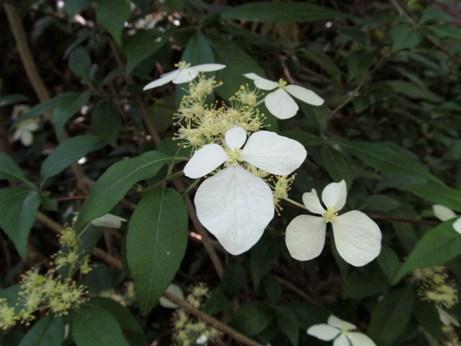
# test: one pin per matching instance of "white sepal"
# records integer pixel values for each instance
(260, 82)
(281, 104)
(323, 332)
(334, 195)
(305, 95)
(305, 237)
(108, 221)
(205, 160)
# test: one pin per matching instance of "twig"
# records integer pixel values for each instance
(116, 263)
(402, 220)
(35, 79)
(295, 289)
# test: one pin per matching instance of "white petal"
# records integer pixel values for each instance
(109, 221)
(341, 341)
(340, 324)
(323, 332)
(305, 237)
(207, 67)
(26, 138)
(164, 79)
(312, 202)
(281, 104)
(457, 225)
(176, 290)
(185, 75)
(334, 195)
(235, 206)
(205, 160)
(29, 125)
(359, 339)
(260, 82)
(236, 137)
(443, 213)
(305, 95)
(273, 153)
(357, 238)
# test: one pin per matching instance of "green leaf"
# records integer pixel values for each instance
(94, 326)
(68, 152)
(389, 262)
(404, 36)
(121, 313)
(438, 246)
(18, 209)
(156, 243)
(281, 12)
(262, 258)
(140, 47)
(80, 63)
(324, 62)
(73, 7)
(252, 318)
(358, 63)
(119, 178)
(391, 316)
(288, 324)
(336, 164)
(106, 121)
(67, 105)
(9, 170)
(237, 63)
(198, 50)
(434, 14)
(9, 99)
(48, 331)
(413, 91)
(447, 31)
(437, 193)
(113, 14)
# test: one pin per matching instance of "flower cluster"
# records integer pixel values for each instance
(435, 286)
(188, 330)
(50, 291)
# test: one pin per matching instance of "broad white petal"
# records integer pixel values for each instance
(109, 221)
(260, 82)
(207, 67)
(168, 304)
(443, 213)
(340, 324)
(359, 339)
(305, 95)
(236, 137)
(357, 238)
(273, 153)
(281, 104)
(235, 206)
(323, 332)
(205, 160)
(27, 138)
(305, 237)
(185, 75)
(312, 202)
(334, 195)
(164, 79)
(341, 341)
(457, 225)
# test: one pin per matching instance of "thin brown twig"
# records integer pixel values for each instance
(401, 219)
(116, 263)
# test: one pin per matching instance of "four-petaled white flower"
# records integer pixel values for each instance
(234, 204)
(280, 101)
(357, 237)
(343, 333)
(25, 131)
(444, 214)
(108, 221)
(183, 74)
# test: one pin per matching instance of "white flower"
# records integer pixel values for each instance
(343, 333)
(108, 221)
(168, 304)
(357, 237)
(202, 340)
(280, 101)
(185, 73)
(444, 214)
(25, 131)
(235, 205)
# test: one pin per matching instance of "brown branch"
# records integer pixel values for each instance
(402, 220)
(116, 263)
(34, 77)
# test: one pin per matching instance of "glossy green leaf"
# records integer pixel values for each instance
(281, 12)
(80, 63)
(121, 313)
(156, 243)
(73, 7)
(106, 121)
(140, 47)
(68, 105)
(413, 91)
(48, 331)
(198, 50)
(68, 152)
(9, 170)
(404, 36)
(252, 318)
(18, 209)
(437, 247)
(116, 181)
(113, 14)
(94, 326)
(391, 316)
